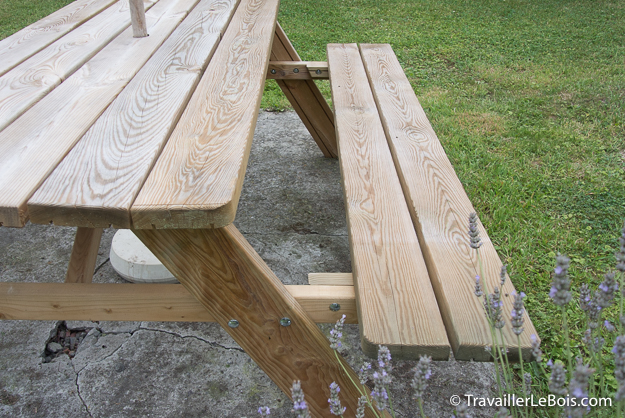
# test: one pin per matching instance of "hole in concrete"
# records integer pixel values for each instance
(63, 340)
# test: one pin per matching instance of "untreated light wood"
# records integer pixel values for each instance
(146, 302)
(297, 70)
(137, 19)
(331, 279)
(27, 83)
(32, 146)
(396, 303)
(97, 182)
(25, 43)
(197, 180)
(306, 98)
(224, 273)
(84, 255)
(440, 210)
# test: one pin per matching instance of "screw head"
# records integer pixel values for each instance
(318, 71)
(285, 322)
(273, 71)
(296, 70)
(335, 307)
(233, 323)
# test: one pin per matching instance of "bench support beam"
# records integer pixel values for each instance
(306, 98)
(224, 273)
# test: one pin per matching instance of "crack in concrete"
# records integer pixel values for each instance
(84, 403)
(101, 265)
(212, 343)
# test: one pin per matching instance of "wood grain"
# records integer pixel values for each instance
(27, 83)
(197, 180)
(97, 182)
(32, 146)
(224, 273)
(297, 70)
(440, 210)
(25, 43)
(331, 279)
(396, 303)
(84, 255)
(137, 19)
(306, 99)
(146, 302)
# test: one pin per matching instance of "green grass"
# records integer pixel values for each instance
(16, 14)
(528, 100)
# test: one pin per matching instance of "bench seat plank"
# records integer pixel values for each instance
(440, 210)
(96, 184)
(33, 145)
(23, 44)
(396, 304)
(196, 182)
(27, 83)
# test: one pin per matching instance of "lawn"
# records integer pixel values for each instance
(528, 100)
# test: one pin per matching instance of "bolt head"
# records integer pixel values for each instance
(296, 70)
(285, 322)
(273, 71)
(233, 323)
(335, 307)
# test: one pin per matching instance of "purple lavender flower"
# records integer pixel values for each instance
(421, 375)
(492, 306)
(474, 233)
(578, 389)
(527, 383)
(263, 411)
(594, 345)
(334, 401)
(584, 297)
(479, 292)
(536, 351)
(502, 275)
(362, 403)
(364, 372)
(608, 326)
(516, 314)
(300, 407)
(560, 286)
(606, 291)
(379, 394)
(619, 366)
(557, 381)
(336, 334)
(462, 411)
(384, 364)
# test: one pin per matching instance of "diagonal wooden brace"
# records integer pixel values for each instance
(226, 275)
(306, 98)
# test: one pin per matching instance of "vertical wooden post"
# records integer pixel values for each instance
(137, 17)
(84, 255)
(226, 275)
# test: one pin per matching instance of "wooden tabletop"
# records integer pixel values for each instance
(99, 128)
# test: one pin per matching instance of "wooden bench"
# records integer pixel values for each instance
(153, 134)
(407, 216)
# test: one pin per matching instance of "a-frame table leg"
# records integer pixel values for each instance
(306, 98)
(84, 255)
(222, 270)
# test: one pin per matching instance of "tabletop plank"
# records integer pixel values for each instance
(196, 182)
(33, 145)
(396, 303)
(440, 210)
(95, 185)
(34, 78)
(23, 44)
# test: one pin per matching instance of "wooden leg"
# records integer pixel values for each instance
(306, 98)
(226, 275)
(84, 255)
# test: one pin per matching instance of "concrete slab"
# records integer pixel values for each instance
(292, 212)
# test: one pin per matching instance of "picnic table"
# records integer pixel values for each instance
(141, 114)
